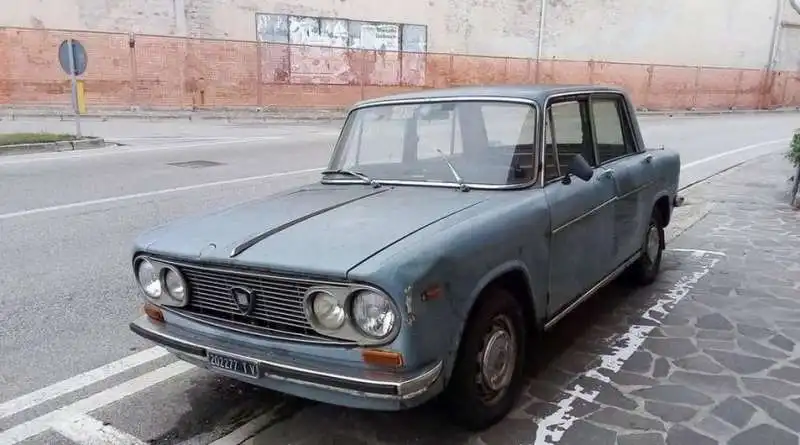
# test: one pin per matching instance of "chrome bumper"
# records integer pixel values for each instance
(374, 384)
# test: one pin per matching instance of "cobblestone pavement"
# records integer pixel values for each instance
(707, 355)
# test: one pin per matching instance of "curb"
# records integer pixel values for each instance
(47, 147)
(312, 115)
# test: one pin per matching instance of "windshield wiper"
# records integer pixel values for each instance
(461, 185)
(359, 175)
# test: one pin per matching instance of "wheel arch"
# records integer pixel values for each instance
(512, 276)
(662, 205)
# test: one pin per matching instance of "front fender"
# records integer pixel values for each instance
(465, 309)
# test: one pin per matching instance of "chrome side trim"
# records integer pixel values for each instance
(610, 277)
(585, 215)
(636, 190)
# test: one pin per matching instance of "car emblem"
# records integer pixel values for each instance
(244, 299)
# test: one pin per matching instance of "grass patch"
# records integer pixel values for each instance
(33, 138)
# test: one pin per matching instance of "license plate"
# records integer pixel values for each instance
(234, 365)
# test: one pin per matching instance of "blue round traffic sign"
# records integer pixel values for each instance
(79, 54)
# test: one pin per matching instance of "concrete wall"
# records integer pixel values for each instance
(729, 33)
(696, 54)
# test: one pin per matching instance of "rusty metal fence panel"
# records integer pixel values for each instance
(172, 72)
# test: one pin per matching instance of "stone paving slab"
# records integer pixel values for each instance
(706, 355)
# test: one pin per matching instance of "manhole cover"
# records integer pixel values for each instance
(195, 164)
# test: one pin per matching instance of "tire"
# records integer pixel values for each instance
(645, 270)
(473, 402)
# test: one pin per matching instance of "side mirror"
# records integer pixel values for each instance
(578, 167)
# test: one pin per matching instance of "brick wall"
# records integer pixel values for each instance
(174, 72)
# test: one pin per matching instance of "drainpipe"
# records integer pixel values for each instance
(542, 10)
(773, 51)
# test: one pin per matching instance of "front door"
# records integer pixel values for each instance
(581, 212)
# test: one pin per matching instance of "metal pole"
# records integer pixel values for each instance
(773, 54)
(796, 187)
(776, 31)
(540, 43)
(74, 89)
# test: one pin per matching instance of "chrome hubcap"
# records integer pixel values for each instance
(498, 358)
(653, 243)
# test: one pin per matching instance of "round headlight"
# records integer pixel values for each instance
(149, 279)
(327, 311)
(176, 287)
(374, 314)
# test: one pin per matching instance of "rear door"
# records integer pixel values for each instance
(619, 156)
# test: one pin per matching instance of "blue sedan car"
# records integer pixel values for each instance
(451, 227)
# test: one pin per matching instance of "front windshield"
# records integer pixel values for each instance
(486, 142)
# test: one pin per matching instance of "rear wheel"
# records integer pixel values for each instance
(645, 270)
(488, 375)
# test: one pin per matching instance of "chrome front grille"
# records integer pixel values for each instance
(278, 310)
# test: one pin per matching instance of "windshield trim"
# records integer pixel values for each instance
(538, 148)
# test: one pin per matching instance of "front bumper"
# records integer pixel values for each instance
(302, 377)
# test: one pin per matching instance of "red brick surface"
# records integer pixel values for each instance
(172, 73)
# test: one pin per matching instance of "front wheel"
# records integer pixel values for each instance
(645, 270)
(488, 374)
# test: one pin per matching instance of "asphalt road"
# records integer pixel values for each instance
(67, 220)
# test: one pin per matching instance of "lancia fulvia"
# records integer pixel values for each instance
(450, 227)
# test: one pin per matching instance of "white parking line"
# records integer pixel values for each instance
(87, 430)
(552, 427)
(732, 152)
(41, 424)
(80, 204)
(80, 381)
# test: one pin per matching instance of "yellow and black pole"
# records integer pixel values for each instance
(76, 107)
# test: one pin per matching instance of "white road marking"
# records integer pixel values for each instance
(41, 424)
(83, 154)
(80, 204)
(552, 428)
(699, 252)
(87, 430)
(79, 381)
(731, 152)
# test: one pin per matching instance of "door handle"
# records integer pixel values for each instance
(648, 159)
(607, 174)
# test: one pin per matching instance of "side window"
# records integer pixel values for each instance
(612, 142)
(570, 136)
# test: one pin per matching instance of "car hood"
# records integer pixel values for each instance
(321, 229)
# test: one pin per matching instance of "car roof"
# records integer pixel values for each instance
(535, 92)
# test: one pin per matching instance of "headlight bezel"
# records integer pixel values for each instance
(166, 298)
(349, 330)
